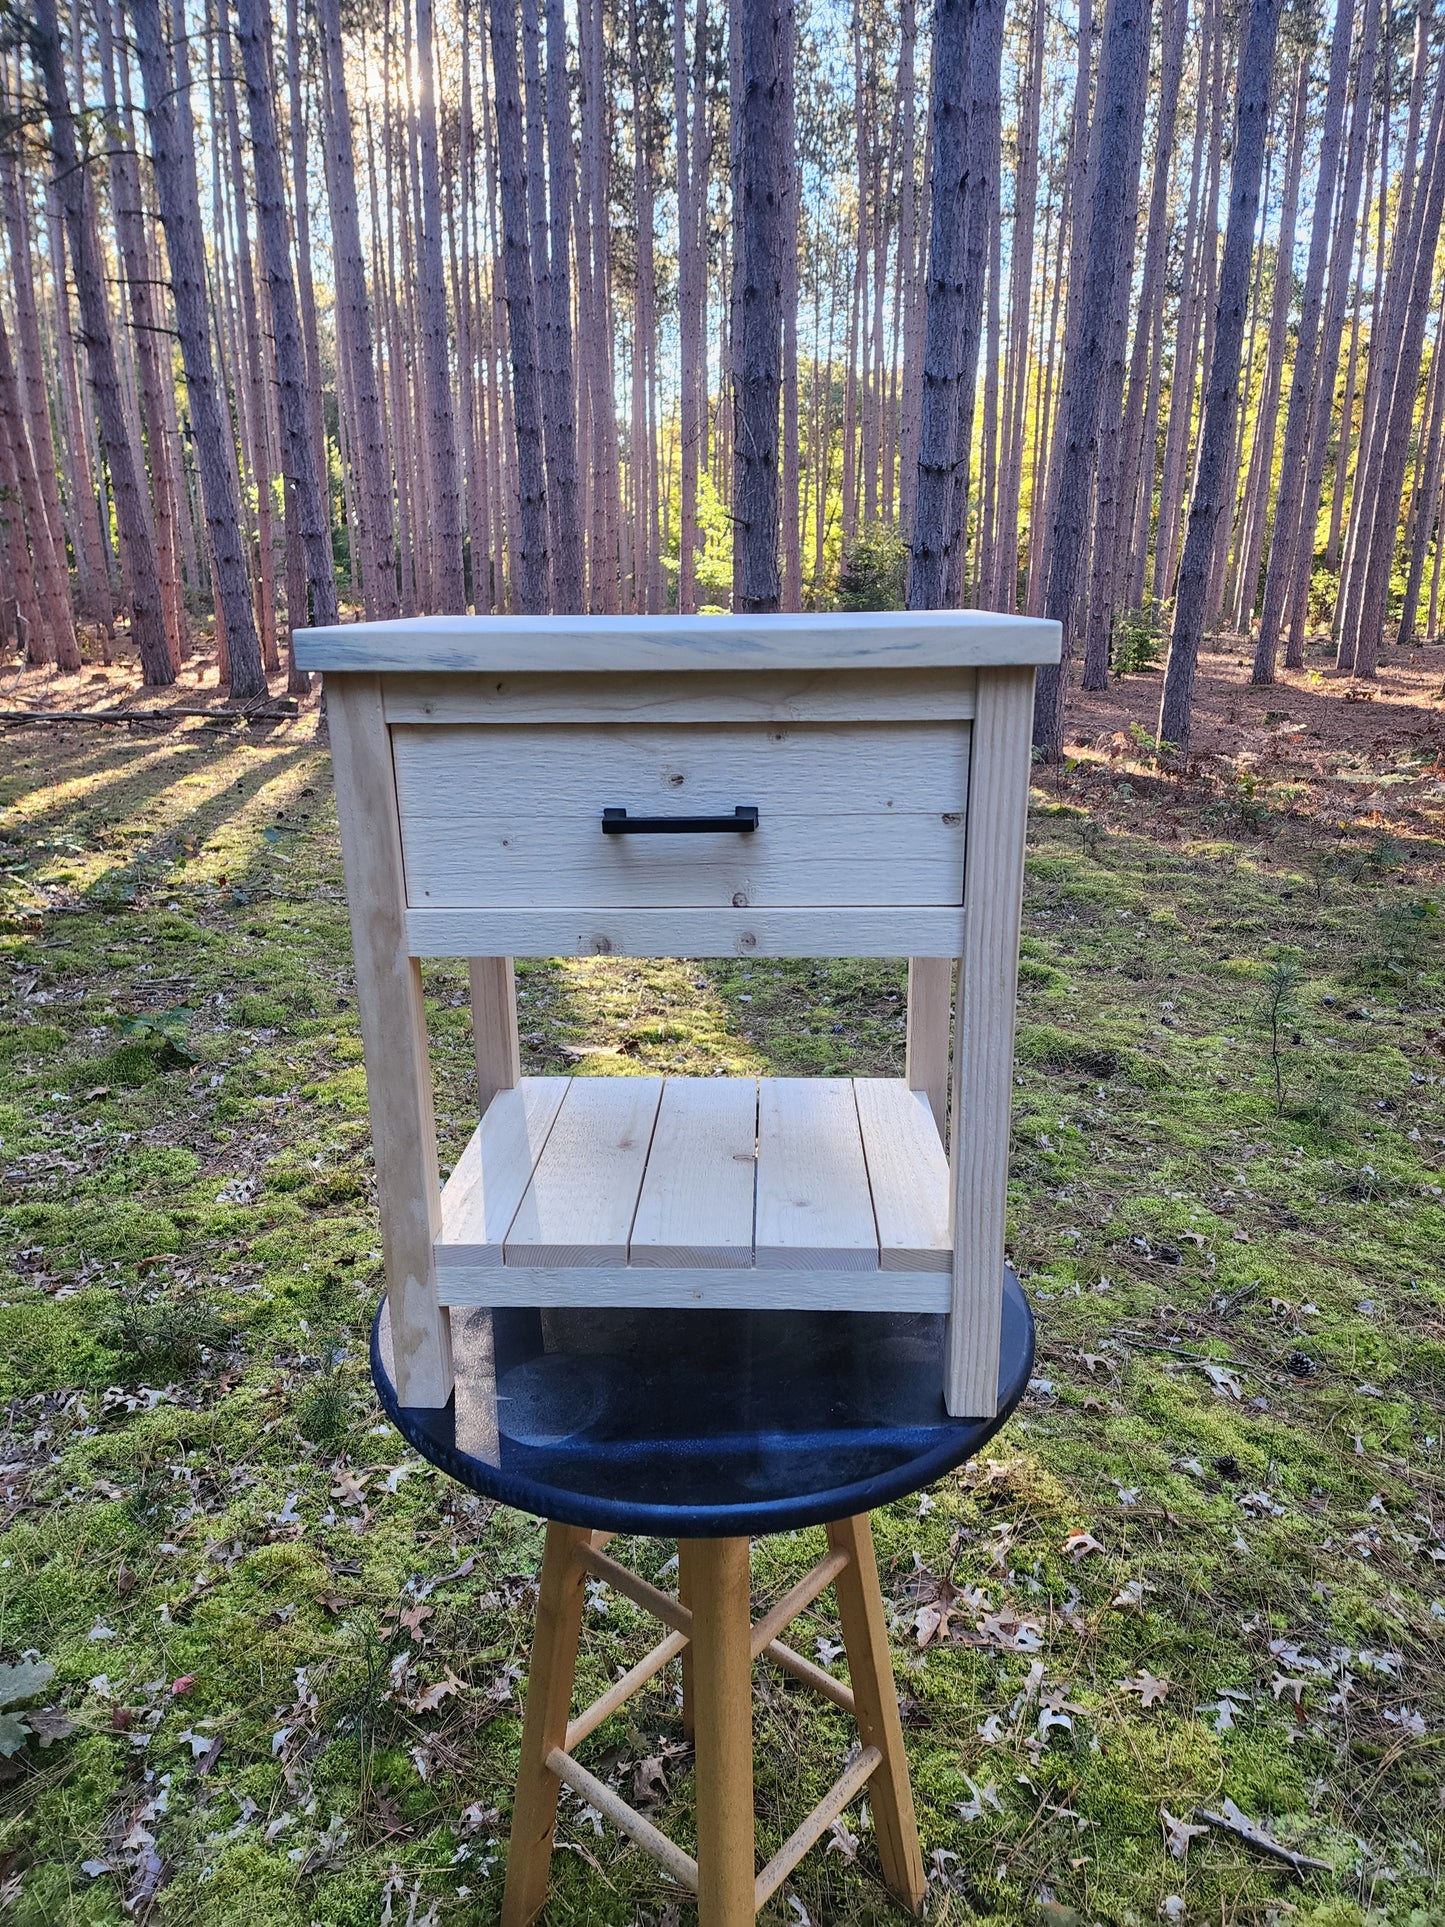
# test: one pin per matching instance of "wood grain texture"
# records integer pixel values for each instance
(930, 639)
(814, 1210)
(930, 1023)
(539, 863)
(469, 775)
(857, 814)
(984, 1035)
(544, 1724)
(579, 1206)
(840, 931)
(494, 1027)
(490, 1179)
(393, 1035)
(696, 1203)
(722, 1684)
(463, 1280)
(704, 696)
(875, 1705)
(907, 1174)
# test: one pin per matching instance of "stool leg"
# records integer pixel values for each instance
(544, 1725)
(684, 1593)
(865, 1635)
(715, 1572)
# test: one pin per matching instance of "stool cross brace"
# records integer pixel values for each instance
(713, 1632)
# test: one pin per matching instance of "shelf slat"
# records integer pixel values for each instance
(578, 1209)
(908, 1173)
(696, 1204)
(813, 1202)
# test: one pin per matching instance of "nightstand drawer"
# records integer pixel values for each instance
(847, 813)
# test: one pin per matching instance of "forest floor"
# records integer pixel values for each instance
(1205, 1562)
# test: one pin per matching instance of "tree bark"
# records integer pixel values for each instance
(1308, 364)
(1208, 500)
(75, 190)
(1398, 415)
(534, 575)
(35, 408)
(952, 185)
(301, 457)
(563, 485)
(168, 116)
(1116, 142)
(763, 194)
(451, 588)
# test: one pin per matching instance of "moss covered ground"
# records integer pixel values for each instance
(1205, 1562)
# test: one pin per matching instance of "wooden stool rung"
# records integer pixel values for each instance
(817, 1823)
(766, 1629)
(622, 1690)
(662, 1605)
(810, 1675)
(680, 1865)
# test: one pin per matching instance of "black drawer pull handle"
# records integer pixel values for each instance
(618, 823)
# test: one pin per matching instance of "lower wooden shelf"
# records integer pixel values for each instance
(750, 1193)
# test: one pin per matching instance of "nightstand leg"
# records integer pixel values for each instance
(544, 1726)
(870, 1668)
(715, 1572)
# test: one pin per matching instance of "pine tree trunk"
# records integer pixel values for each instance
(1261, 462)
(450, 587)
(1427, 496)
(250, 361)
(792, 579)
(534, 578)
(172, 141)
(764, 196)
(1216, 439)
(75, 190)
(1398, 417)
(569, 563)
(1021, 270)
(302, 459)
(50, 531)
(28, 514)
(1116, 141)
(1309, 366)
(1199, 239)
(689, 425)
(18, 598)
(934, 536)
(129, 225)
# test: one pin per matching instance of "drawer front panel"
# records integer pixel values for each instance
(848, 814)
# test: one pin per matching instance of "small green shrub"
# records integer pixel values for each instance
(873, 573)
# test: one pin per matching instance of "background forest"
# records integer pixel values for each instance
(1126, 318)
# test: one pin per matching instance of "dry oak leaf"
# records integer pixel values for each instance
(1079, 1545)
(1179, 1833)
(431, 1697)
(1149, 1689)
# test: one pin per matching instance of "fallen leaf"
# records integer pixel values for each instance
(431, 1697)
(1149, 1689)
(1178, 1833)
(1079, 1545)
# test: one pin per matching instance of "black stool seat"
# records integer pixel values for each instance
(700, 1424)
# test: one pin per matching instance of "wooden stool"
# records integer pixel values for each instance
(721, 1639)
